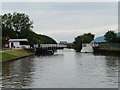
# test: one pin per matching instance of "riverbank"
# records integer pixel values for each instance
(13, 54)
(107, 51)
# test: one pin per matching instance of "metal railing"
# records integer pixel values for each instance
(50, 45)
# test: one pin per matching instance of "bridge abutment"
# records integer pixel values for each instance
(40, 51)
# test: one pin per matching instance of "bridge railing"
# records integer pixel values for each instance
(51, 45)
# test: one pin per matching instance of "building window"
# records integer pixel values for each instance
(23, 43)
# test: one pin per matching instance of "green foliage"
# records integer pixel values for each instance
(16, 21)
(34, 38)
(70, 45)
(87, 37)
(77, 44)
(118, 39)
(14, 54)
(111, 37)
(0, 42)
(14, 25)
(18, 25)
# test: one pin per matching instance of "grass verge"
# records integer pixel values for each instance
(110, 49)
(14, 54)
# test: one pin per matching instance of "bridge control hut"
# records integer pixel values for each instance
(18, 43)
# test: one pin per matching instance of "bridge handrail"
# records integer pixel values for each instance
(52, 45)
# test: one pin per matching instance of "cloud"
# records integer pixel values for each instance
(67, 20)
(69, 35)
(60, 1)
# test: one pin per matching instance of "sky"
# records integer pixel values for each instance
(60, 0)
(66, 20)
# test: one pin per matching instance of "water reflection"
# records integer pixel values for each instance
(111, 61)
(17, 74)
(64, 69)
(0, 75)
(112, 68)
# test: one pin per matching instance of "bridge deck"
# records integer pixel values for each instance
(50, 46)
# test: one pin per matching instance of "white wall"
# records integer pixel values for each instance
(17, 45)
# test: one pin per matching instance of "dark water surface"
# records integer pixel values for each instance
(64, 69)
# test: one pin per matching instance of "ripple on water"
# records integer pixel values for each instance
(66, 69)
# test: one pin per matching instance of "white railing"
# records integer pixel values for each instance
(51, 45)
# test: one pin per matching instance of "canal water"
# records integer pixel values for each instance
(64, 69)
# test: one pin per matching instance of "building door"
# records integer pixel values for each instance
(12, 45)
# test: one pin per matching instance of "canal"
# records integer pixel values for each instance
(64, 69)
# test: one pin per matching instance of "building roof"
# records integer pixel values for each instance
(99, 40)
(17, 40)
(118, 34)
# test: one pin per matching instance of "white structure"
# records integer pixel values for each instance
(87, 48)
(49, 45)
(18, 43)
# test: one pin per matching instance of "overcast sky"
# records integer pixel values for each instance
(66, 20)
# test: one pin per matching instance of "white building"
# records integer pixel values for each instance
(18, 43)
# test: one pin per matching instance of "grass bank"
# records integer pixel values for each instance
(110, 49)
(107, 51)
(14, 54)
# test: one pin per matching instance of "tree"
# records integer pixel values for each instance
(77, 44)
(0, 38)
(111, 36)
(87, 37)
(21, 22)
(118, 39)
(18, 25)
(14, 25)
(7, 26)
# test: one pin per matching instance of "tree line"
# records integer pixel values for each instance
(110, 37)
(19, 25)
